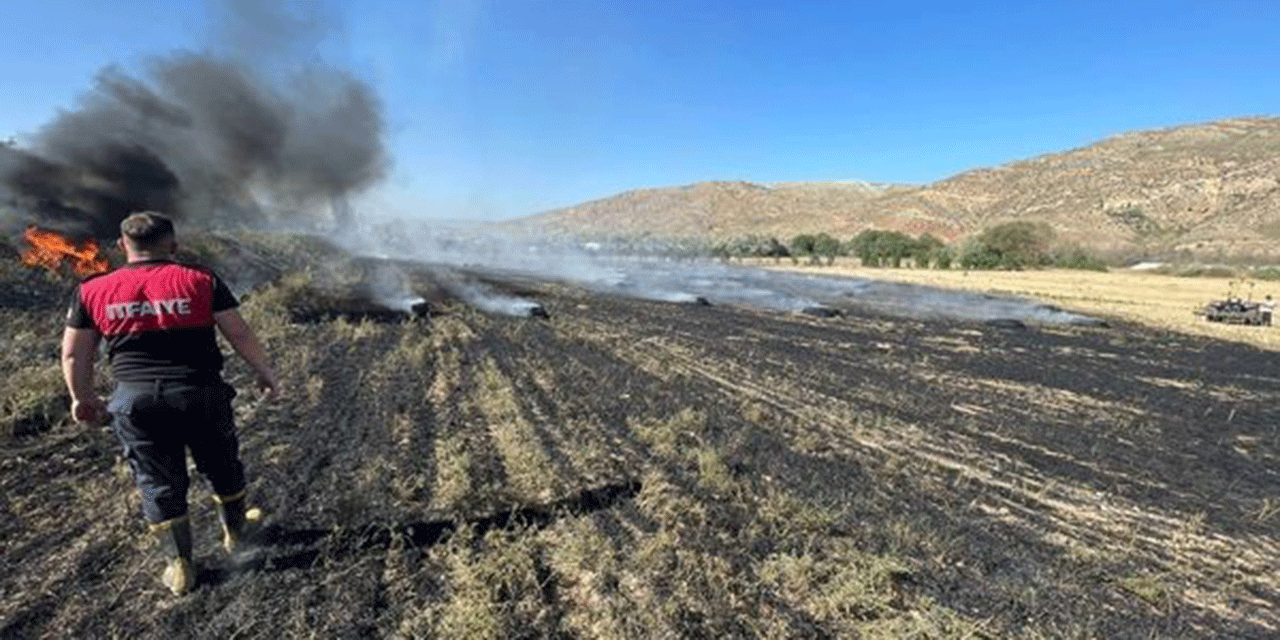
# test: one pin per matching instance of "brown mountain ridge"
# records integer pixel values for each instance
(1209, 189)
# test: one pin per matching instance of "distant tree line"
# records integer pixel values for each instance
(1008, 246)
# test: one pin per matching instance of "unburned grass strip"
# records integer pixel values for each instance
(530, 471)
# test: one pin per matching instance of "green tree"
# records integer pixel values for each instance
(826, 246)
(802, 245)
(943, 258)
(926, 250)
(776, 249)
(1012, 245)
(862, 246)
(749, 246)
(882, 248)
(758, 246)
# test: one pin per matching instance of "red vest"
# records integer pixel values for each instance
(156, 318)
(151, 297)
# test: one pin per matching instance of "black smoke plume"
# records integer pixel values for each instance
(214, 140)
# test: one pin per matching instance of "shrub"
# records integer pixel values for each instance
(1012, 245)
(826, 246)
(943, 258)
(882, 248)
(750, 246)
(1076, 257)
(926, 250)
(802, 245)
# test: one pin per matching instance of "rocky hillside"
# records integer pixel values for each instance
(1212, 189)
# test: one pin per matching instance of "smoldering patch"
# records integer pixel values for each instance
(318, 304)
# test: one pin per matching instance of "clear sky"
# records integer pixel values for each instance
(505, 107)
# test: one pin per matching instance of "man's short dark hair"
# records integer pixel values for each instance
(146, 230)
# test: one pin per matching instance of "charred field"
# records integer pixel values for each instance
(639, 469)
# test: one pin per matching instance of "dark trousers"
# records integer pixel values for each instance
(158, 421)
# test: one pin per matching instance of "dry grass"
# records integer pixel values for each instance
(781, 477)
(33, 400)
(1162, 301)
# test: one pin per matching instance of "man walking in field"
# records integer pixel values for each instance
(158, 317)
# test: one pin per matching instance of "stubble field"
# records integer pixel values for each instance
(633, 469)
(1156, 300)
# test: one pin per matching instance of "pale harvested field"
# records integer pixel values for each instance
(1161, 301)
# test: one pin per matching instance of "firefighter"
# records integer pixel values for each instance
(157, 317)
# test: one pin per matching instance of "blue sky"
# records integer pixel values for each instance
(505, 107)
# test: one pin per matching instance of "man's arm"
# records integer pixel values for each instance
(79, 346)
(245, 342)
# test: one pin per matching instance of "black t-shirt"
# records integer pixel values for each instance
(156, 317)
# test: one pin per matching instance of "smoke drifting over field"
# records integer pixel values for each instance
(463, 254)
(255, 134)
(209, 138)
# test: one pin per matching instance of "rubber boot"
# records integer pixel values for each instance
(175, 542)
(238, 524)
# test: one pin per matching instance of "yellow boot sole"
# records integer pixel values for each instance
(179, 576)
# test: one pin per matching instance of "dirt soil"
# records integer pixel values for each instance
(641, 469)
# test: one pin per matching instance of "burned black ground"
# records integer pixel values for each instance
(643, 469)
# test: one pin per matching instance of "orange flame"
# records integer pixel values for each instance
(50, 250)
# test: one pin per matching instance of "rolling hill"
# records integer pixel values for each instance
(1210, 189)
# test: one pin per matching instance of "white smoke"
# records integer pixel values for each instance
(459, 250)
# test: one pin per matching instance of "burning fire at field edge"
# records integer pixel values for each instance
(54, 251)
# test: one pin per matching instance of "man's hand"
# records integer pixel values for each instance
(91, 411)
(267, 385)
(245, 342)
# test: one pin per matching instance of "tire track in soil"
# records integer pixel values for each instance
(684, 352)
(746, 347)
(1175, 423)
